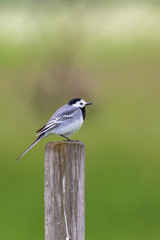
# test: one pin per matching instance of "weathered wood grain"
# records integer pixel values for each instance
(65, 191)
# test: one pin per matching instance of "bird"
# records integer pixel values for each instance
(66, 121)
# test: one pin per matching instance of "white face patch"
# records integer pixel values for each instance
(80, 104)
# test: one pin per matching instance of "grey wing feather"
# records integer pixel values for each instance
(62, 114)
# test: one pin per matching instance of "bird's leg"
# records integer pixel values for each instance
(66, 138)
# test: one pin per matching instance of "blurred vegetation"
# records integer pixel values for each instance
(107, 54)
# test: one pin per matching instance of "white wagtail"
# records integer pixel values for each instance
(65, 122)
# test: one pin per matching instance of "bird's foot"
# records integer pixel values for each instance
(67, 139)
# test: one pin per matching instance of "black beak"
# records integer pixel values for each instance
(88, 103)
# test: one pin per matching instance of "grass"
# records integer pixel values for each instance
(121, 74)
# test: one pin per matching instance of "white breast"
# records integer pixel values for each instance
(68, 129)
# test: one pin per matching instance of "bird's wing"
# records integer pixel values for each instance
(58, 118)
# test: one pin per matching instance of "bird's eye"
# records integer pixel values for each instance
(81, 103)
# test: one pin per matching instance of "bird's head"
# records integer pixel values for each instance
(78, 102)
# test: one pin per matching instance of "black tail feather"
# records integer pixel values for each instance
(34, 143)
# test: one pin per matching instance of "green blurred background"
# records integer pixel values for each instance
(107, 52)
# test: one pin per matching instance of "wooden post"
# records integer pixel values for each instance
(65, 191)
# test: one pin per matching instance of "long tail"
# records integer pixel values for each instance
(34, 143)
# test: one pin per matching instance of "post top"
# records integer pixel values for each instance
(65, 142)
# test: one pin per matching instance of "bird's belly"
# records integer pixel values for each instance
(68, 129)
